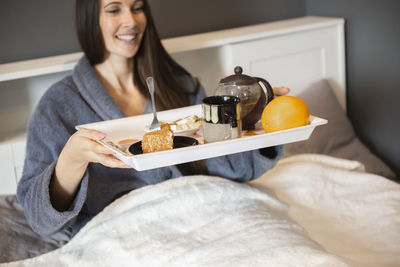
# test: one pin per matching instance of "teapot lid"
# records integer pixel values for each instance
(238, 78)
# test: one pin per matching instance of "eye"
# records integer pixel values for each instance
(112, 9)
(138, 7)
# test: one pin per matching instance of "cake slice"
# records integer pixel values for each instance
(158, 140)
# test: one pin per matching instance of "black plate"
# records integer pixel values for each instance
(179, 141)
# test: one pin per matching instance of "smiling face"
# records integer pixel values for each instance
(122, 24)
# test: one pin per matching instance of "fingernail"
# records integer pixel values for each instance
(111, 152)
(127, 166)
(101, 135)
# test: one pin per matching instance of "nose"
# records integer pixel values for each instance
(129, 19)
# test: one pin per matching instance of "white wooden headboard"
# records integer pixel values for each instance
(292, 53)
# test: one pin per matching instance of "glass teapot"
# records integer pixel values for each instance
(251, 94)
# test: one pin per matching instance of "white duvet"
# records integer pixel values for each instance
(310, 210)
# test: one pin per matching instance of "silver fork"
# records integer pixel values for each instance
(155, 125)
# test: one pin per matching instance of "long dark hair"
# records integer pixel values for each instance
(151, 59)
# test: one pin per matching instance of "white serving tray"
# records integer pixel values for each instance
(134, 128)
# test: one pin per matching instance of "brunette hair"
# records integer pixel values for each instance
(151, 59)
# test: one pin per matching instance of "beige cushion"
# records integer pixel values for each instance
(337, 138)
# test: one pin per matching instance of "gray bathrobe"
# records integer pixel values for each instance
(80, 99)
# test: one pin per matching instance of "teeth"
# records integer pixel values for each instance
(126, 37)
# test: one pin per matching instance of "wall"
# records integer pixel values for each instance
(32, 29)
(373, 70)
(182, 17)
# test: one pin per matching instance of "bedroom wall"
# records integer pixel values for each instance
(373, 70)
(33, 29)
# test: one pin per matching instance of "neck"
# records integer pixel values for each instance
(116, 73)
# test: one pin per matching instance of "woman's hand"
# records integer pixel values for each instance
(279, 91)
(81, 148)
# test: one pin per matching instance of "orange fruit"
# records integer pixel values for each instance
(284, 112)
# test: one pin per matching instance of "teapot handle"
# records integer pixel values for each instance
(268, 87)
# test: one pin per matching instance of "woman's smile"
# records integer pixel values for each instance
(122, 24)
(126, 37)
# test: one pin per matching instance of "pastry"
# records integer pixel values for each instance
(158, 140)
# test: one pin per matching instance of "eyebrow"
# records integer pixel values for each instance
(112, 3)
(119, 3)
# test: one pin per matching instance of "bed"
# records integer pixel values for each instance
(328, 202)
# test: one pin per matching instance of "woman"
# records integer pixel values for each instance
(68, 177)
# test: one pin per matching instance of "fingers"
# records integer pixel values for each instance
(96, 147)
(84, 141)
(110, 161)
(279, 91)
(83, 146)
(91, 134)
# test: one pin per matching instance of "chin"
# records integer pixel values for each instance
(127, 54)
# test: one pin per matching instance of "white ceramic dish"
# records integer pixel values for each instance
(134, 128)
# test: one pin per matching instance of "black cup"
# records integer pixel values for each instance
(221, 118)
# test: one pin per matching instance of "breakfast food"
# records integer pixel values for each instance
(162, 139)
(185, 126)
(284, 112)
(187, 123)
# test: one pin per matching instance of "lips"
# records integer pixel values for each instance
(126, 37)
